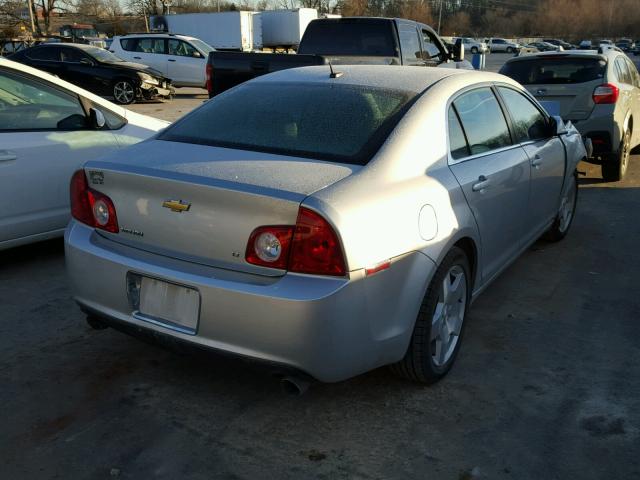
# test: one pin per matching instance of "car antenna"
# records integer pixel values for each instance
(334, 74)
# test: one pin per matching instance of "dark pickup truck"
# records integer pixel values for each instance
(358, 40)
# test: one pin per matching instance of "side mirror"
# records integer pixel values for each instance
(557, 126)
(96, 119)
(197, 54)
(86, 61)
(457, 55)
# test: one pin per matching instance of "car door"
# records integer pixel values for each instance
(493, 172)
(635, 98)
(186, 65)
(151, 51)
(530, 128)
(45, 58)
(80, 69)
(43, 138)
(625, 102)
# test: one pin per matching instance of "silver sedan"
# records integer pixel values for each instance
(326, 223)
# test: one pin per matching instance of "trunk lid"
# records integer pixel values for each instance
(200, 203)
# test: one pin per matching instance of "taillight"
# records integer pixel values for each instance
(312, 246)
(269, 246)
(606, 93)
(315, 247)
(91, 207)
(209, 73)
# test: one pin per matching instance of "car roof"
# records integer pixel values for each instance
(158, 35)
(568, 54)
(382, 76)
(81, 46)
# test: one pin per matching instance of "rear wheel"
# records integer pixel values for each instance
(124, 92)
(565, 215)
(437, 332)
(614, 169)
(509, 50)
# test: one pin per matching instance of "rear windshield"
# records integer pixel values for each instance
(371, 38)
(341, 123)
(555, 70)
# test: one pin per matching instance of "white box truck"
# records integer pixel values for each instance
(241, 31)
(284, 28)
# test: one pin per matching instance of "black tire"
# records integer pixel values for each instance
(474, 50)
(418, 363)
(615, 167)
(562, 224)
(124, 91)
(509, 50)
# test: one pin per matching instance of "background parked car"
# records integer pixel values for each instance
(626, 44)
(560, 43)
(585, 45)
(598, 92)
(545, 47)
(472, 45)
(307, 225)
(178, 57)
(98, 71)
(502, 45)
(48, 129)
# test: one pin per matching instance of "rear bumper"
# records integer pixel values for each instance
(329, 328)
(602, 129)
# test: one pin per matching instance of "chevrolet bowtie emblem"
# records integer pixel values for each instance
(176, 205)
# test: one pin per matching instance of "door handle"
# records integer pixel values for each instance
(172, 59)
(483, 182)
(537, 161)
(6, 156)
(138, 58)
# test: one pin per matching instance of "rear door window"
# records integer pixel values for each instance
(410, 45)
(45, 53)
(622, 72)
(150, 45)
(482, 120)
(457, 142)
(555, 70)
(528, 122)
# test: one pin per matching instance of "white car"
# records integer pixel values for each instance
(503, 45)
(181, 58)
(48, 129)
(472, 45)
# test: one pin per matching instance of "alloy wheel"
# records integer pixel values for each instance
(567, 207)
(448, 316)
(123, 92)
(626, 153)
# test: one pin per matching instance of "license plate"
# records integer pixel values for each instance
(169, 303)
(552, 108)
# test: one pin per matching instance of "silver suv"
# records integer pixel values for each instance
(598, 91)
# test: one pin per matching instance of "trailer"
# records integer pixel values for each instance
(240, 31)
(284, 28)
